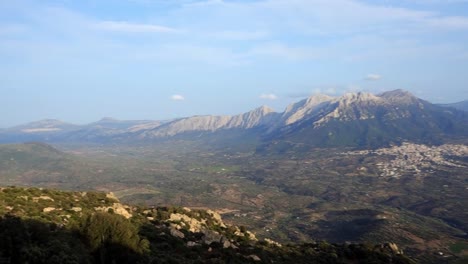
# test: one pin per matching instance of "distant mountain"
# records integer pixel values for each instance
(255, 118)
(463, 105)
(52, 130)
(43, 126)
(43, 130)
(363, 119)
(353, 119)
(104, 130)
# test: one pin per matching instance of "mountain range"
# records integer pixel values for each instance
(353, 119)
(463, 105)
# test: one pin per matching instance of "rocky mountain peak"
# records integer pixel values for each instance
(297, 111)
(350, 106)
(308, 103)
(263, 110)
(359, 97)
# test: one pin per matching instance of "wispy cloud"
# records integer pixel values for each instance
(177, 97)
(373, 77)
(129, 27)
(268, 96)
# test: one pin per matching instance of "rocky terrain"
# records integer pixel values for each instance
(49, 226)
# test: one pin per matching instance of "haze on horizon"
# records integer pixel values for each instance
(79, 61)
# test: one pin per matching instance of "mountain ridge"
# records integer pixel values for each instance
(353, 119)
(462, 105)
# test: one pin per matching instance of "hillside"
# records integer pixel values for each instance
(50, 226)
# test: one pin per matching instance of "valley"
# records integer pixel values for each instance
(335, 195)
(360, 168)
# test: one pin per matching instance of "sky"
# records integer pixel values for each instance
(81, 60)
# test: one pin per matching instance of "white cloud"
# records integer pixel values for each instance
(128, 27)
(269, 96)
(177, 97)
(373, 77)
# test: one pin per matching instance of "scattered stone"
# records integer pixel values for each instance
(42, 197)
(112, 196)
(192, 244)
(394, 248)
(272, 242)
(48, 209)
(226, 243)
(76, 209)
(211, 236)
(176, 233)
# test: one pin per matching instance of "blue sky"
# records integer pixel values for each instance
(82, 60)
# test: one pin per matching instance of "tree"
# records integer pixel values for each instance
(112, 238)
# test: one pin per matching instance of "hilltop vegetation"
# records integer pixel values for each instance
(49, 226)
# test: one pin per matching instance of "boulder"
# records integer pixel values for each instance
(176, 233)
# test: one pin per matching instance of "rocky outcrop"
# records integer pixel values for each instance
(116, 208)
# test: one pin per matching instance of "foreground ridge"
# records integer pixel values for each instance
(49, 226)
